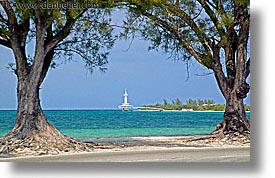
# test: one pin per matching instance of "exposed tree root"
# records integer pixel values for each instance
(39, 137)
(43, 144)
(220, 139)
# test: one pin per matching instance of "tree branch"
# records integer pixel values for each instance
(213, 17)
(5, 43)
(4, 40)
(39, 56)
(73, 51)
(219, 8)
(24, 28)
(186, 45)
(11, 23)
(11, 15)
(219, 74)
(64, 32)
(15, 41)
(3, 20)
(242, 70)
(46, 65)
(204, 39)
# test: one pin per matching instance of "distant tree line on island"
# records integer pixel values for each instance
(191, 104)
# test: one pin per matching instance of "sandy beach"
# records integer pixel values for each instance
(152, 154)
(193, 148)
(150, 149)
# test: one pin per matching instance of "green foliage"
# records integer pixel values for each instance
(81, 31)
(155, 26)
(178, 102)
(243, 2)
(91, 38)
(247, 108)
(160, 37)
(211, 107)
(196, 105)
(165, 102)
(185, 29)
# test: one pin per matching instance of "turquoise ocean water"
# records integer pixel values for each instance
(93, 124)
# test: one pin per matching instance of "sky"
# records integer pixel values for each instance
(148, 76)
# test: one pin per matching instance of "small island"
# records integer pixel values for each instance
(189, 106)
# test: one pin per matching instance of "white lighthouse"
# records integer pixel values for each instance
(125, 105)
(125, 97)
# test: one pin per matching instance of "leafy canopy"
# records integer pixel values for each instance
(82, 31)
(187, 29)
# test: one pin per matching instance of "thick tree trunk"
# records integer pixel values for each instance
(32, 133)
(235, 119)
(234, 90)
(30, 119)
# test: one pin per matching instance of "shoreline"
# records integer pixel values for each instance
(173, 111)
(207, 111)
(141, 138)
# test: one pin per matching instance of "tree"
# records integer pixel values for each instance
(55, 33)
(200, 102)
(215, 33)
(178, 102)
(191, 104)
(209, 102)
(165, 102)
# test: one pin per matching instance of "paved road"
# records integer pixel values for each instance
(235, 154)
